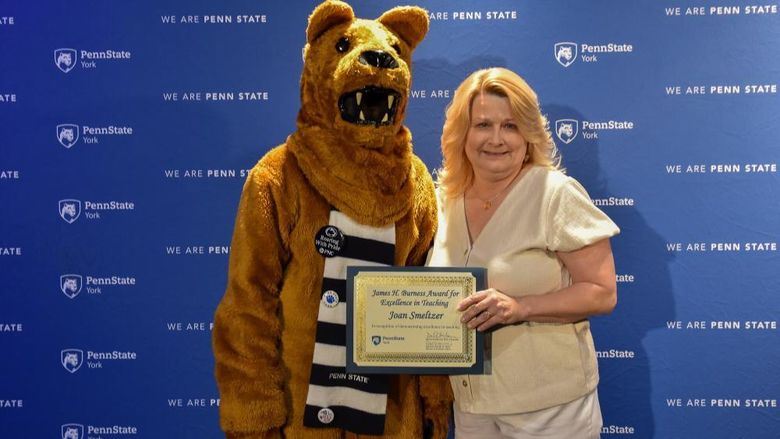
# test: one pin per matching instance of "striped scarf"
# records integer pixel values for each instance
(337, 399)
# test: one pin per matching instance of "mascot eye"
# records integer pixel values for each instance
(342, 45)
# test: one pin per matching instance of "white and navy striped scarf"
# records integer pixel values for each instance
(355, 403)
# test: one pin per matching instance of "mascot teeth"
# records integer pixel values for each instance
(369, 106)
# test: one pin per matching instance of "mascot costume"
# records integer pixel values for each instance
(343, 189)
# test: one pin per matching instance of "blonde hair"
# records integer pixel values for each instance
(456, 173)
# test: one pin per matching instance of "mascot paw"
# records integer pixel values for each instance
(436, 423)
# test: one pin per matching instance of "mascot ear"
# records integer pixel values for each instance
(328, 14)
(410, 23)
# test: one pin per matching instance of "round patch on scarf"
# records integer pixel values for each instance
(325, 415)
(330, 298)
(329, 241)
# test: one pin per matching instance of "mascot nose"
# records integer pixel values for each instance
(378, 58)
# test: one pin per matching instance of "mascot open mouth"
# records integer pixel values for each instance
(369, 106)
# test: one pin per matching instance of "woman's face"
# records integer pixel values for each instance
(494, 145)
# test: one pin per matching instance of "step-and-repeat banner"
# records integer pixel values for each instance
(127, 129)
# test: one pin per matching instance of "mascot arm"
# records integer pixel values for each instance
(435, 390)
(247, 327)
(425, 212)
(437, 405)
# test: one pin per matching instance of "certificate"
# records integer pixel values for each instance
(405, 320)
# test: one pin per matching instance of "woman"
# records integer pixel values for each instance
(506, 205)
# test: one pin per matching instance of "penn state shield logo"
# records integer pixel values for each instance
(566, 53)
(70, 284)
(72, 431)
(72, 359)
(566, 130)
(67, 134)
(65, 59)
(376, 340)
(70, 210)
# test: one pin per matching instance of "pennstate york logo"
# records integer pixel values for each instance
(376, 340)
(65, 59)
(70, 284)
(566, 53)
(70, 210)
(67, 134)
(566, 129)
(72, 431)
(72, 359)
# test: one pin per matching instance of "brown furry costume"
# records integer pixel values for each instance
(343, 155)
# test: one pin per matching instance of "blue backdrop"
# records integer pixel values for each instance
(126, 129)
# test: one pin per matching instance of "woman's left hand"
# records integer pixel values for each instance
(487, 308)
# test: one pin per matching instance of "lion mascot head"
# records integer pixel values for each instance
(350, 140)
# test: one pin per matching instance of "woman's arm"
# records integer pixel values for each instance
(593, 291)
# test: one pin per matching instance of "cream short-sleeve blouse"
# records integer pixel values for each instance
(534, 365)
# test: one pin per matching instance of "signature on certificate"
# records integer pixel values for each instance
(439, 336)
